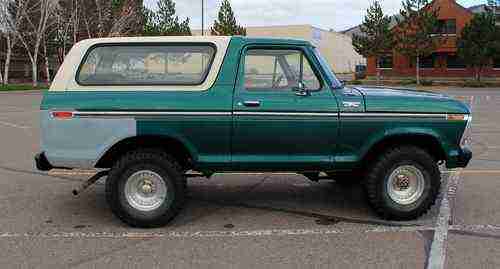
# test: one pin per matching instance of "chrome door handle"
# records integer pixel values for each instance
(251, 103)
(351, 104)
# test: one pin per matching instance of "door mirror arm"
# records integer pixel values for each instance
(301, 89)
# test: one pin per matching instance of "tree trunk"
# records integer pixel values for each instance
(34, 69)
(478, 74)
(46, 59)
(7, 60)
(418, 70)
(34, 75)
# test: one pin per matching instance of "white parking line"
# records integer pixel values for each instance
(208, 234)
(8, 124)
(437, 255)
(242, 233)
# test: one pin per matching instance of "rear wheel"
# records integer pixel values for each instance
(403, 183)
(146, 188)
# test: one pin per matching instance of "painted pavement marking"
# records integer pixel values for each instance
(242, 233)
(13, 125)
(437, 255)
(208, 234)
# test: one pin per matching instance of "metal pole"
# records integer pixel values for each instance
(202, 17)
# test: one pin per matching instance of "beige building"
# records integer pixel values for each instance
(335, 47)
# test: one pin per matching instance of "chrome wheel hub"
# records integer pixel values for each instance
(145, 190)
(406, 184)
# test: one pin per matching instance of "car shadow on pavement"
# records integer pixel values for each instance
(255, 197)
(326, 201)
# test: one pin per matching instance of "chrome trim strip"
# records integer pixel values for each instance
(311, 114)
(394, 115)
(147, 113)
(251, 113)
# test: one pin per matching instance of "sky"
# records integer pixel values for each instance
(327, 14)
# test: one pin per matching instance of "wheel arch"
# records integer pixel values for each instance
(429, 142)
(178, 148)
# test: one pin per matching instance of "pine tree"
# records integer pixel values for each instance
(479, 42)
(376, 38)
(416, 35)
(226, 24)
(164, 21)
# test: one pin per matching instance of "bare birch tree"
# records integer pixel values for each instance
(35, 18)
(10, 19)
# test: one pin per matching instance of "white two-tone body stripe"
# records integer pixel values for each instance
(251, 113)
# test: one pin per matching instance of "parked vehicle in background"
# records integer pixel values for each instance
(150, 109)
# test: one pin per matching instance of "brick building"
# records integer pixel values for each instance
(444, 62)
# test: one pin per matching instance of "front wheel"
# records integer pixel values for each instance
(146, 188)
(403, 183)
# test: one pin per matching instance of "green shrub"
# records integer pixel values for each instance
(408, 82)
(426, 82)
(474, 84)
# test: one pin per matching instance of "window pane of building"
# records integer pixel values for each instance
(428, 62)
(451, 27)
(446, 27)
(385, 62)
(146, 65)
(455, 62)
(496, 63)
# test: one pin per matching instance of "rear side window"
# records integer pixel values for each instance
(146, 65)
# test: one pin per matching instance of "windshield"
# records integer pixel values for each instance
(329, 73)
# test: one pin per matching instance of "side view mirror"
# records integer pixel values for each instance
(301, 89)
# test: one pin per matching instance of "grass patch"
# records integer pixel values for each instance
(354, 82)
(21, 87)
(475, 84)
(407, 82)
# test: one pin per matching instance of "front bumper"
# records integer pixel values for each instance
(42, 163)
(464, 157)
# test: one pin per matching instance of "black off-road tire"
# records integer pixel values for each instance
(378, 175)
(158, 162)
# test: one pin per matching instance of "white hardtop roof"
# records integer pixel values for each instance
(65, 77)
(147, 39)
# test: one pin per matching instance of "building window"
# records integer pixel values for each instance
(385, 62)
(455, 62)
(496, 63)
(447, 27)
(428, 62)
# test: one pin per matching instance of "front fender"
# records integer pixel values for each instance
(403, 133)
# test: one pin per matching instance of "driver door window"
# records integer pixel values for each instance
(278, 70)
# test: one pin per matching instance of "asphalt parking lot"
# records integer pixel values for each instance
(246, 221)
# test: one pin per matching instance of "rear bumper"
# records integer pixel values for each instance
(42, 163)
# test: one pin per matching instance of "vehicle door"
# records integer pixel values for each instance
(285, 115)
